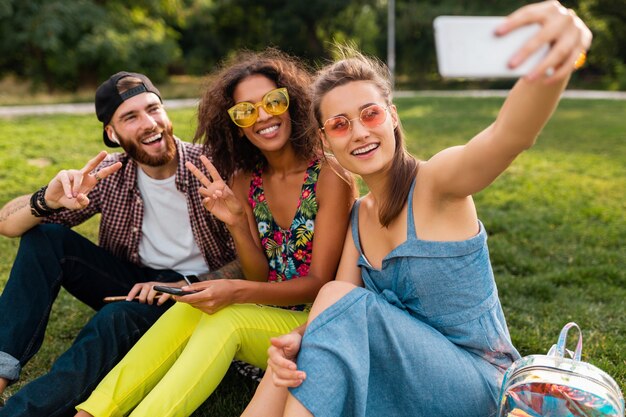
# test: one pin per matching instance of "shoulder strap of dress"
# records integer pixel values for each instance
(410, 221)
(255, 178)
(354, 223)
(312, 174)
(315, 165)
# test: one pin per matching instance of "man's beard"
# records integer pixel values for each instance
(134, 150)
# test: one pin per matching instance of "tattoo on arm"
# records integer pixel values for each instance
(13, 207)
(231, 270)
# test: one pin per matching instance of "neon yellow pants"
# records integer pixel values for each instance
(180, 361)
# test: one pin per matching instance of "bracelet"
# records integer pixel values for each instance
(38, 205)
(34, 209)
(42, 201)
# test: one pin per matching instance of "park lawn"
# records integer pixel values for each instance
(555, 221)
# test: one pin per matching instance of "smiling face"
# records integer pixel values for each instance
(144, 131)
(363, 151)
(269, 133)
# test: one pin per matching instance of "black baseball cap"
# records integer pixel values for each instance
(108, 99)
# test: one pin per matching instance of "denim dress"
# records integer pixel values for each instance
(425, 337)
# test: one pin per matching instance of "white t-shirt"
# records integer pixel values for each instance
(167, 241)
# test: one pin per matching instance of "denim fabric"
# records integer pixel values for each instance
(52, 256)
(425, 337)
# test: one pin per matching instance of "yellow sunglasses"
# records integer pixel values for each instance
(275, 102)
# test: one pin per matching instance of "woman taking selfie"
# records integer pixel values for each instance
(413, 325)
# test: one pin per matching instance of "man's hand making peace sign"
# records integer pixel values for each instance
(69, 188)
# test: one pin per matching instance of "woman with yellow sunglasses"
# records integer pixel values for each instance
(287, 210)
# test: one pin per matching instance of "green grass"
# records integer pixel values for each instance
(555, 220)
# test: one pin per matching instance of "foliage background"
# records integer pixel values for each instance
(59, 44)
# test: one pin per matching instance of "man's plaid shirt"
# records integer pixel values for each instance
(118, 200)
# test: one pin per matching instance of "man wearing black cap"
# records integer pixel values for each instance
(153, 229)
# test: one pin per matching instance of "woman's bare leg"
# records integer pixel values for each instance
(3, 384)
(272, 401)
(268, 401)
(293, 408)
(329, 294)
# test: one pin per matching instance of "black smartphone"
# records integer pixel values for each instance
(172, 290)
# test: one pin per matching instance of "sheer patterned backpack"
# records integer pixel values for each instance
(554, 385)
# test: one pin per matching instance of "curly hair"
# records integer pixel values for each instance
(354, 66)
(222, 138)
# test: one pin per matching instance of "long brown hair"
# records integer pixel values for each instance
(222, 138)
(355, 66)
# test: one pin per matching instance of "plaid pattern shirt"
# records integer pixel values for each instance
(118, 200)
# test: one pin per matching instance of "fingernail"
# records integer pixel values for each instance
(515, 61)
(532, 75)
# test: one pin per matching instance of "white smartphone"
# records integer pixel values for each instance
(467, 47)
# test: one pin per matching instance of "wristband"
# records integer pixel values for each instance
(38, 205)
(34, 209)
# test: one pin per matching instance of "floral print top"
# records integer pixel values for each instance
(288, 251)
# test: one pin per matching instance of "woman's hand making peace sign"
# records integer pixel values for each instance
(218, 198)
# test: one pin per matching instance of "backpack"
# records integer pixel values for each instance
(554, 385)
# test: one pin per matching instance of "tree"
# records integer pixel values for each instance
(607, 57)
(64, 44)
(214, 29)
(39, 38)
(132, 38)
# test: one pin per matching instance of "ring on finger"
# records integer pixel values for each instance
(549, 71)
(580, 61)
(97, 177)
